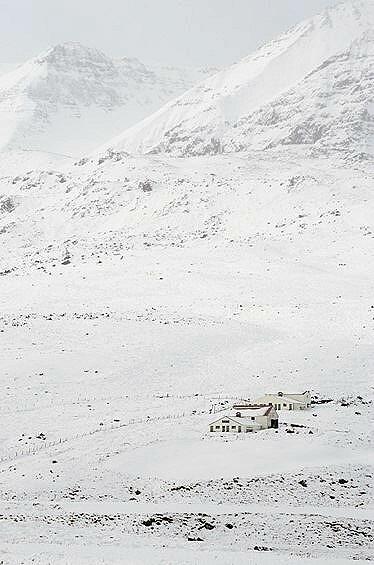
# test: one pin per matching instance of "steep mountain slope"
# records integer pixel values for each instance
(212, 117)
(331, 109)
(72, 98)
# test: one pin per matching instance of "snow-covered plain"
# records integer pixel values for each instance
(136, 292)
(139, 292)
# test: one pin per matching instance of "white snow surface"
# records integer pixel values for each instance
(142, 295)
(72, 98)
(138, 292)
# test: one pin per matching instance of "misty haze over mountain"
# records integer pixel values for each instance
(167, 32)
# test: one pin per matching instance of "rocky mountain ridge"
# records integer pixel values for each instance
(71, 98)
(318, 71)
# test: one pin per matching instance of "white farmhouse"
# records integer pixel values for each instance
(246, 418)
(287, 401)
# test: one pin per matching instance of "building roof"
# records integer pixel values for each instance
(283, 397)
(247, 413)
(249, 410)
(246, 421)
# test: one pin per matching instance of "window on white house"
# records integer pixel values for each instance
(239, 428)
(253, 418)
(217, 427)
(225, 421)
(211, 428)
(233, 427)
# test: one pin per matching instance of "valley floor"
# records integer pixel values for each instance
(105, 454)
(111, 363)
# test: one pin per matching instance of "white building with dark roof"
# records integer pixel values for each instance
(246, 418)
(287, 401)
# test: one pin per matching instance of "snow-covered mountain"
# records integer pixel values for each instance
(72, 98)
(312, 85)
(331, 109)
(141, 293)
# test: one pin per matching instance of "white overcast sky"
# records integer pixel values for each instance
(186, 32)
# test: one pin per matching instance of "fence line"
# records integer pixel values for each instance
(46, 445)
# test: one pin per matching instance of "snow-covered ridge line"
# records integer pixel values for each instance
(71, 98)
(205, 119)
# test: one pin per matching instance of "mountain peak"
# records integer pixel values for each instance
(71, 98)
(67, 54)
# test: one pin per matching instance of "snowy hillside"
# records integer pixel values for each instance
(278, 95)
(136, 293)
(140, 294)
(72, 98)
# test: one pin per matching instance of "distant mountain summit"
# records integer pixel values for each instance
(71, 98)
(313, 85)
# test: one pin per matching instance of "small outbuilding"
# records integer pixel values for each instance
(246, 418)
(287, 401)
